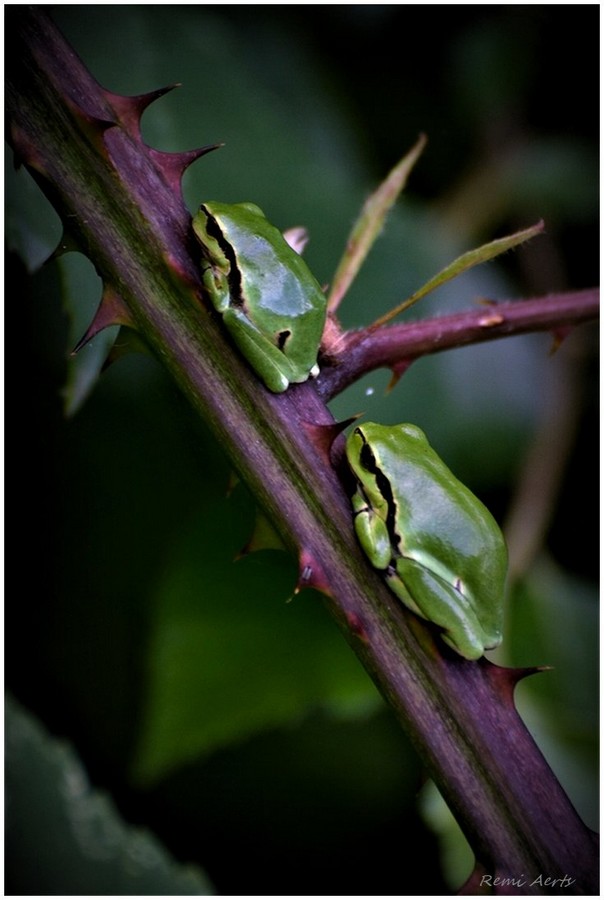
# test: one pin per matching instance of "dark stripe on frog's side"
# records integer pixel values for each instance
(369, 463)
(234, 276)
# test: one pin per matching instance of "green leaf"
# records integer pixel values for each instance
(229, 657)
(456, 856)
(553, 621)
(64, 837)
(369, 224)
(462, 264)
(33, 228)
(81, 296)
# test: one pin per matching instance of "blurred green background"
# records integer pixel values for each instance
(234, 731)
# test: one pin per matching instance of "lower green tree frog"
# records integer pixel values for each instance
(440, 549)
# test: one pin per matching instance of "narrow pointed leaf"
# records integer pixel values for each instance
(369, 224)
(462, 264)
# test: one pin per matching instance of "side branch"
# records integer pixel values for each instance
(396, 346)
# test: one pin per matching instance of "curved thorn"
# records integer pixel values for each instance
(129, 110)
(323, 436)
(111, 311)
(311, 574)
(173, 165)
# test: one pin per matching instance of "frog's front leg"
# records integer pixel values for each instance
(371, 532)
(265, 358)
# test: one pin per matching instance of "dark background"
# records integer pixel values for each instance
(316, 802)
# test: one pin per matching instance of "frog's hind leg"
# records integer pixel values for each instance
(432, 598)
(270, 364)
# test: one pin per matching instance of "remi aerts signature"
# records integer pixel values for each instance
(522, 881)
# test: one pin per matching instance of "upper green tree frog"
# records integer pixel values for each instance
(271, 304)
(440, 549)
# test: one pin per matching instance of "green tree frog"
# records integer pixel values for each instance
(440, 550)
(270, 302)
